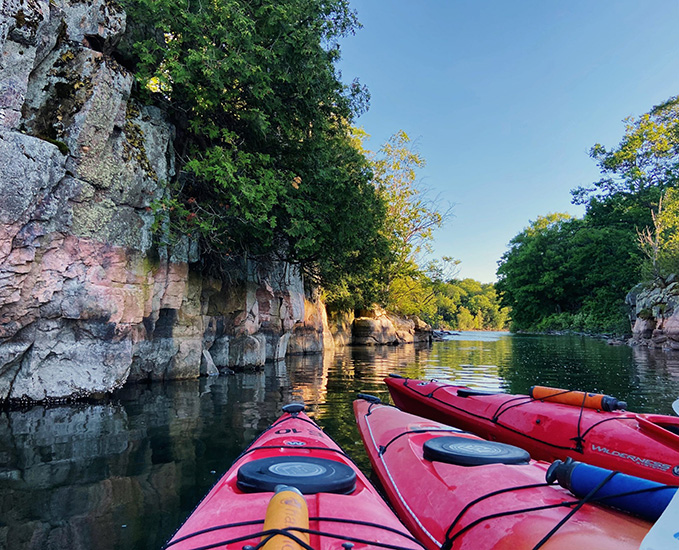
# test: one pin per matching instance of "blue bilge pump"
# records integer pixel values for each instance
(638, 496)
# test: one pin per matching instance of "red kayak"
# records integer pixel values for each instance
(553, 424)
(293, 488)
(456, 491)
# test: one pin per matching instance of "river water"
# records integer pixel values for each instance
(124, 473)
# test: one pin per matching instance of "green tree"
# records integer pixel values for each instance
(563, 273)
(414, 296)
(637, 171)
(394, 279)
(465, 320)
(660, 244)
(646, 158)
(464, 304)
(530, 273)
(411, 216)
(266, 162)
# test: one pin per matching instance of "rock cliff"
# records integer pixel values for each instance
(88, 300)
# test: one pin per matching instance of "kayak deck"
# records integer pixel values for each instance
(487, 506)
(643, 445)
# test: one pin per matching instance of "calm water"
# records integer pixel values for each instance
(125, 473)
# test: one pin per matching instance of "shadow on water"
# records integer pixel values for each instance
(125, 473)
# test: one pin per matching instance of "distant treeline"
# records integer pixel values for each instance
(563, 273)
(462, 305)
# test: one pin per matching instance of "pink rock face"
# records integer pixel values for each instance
(671, 326)
(92, 295)
(80, 278)
(82, 316)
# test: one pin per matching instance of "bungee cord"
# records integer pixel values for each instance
(578, 440)
(287, 532)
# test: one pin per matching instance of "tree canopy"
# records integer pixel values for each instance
(637, 171)
(466, 304)
(266, 162)
(562, 273)
(395, 279)
(660, 242)
(646, 159)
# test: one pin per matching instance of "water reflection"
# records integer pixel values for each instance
(125, 473)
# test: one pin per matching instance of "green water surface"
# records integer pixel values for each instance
(123, 474)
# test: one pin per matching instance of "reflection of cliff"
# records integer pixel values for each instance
(378, 362)
(125, 475)
(70, 478)
(308, 375)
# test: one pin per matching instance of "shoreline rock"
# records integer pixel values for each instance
(655, 314)
(89, 300)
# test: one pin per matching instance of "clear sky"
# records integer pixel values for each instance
(504, 99)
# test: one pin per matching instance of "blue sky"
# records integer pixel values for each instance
(505, 98)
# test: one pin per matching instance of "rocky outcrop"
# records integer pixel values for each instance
(312, 334)
(341, 327)
(655, 314)
(88, 301)
(377, 327)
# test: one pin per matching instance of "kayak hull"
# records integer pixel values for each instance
(431, 495)
(231, 517)
(642, 445)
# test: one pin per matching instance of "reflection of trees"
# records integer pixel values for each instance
(640, 377)
(468, 362)
(571, 362)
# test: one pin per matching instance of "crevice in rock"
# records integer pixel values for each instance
(95, 42)
(16, 362)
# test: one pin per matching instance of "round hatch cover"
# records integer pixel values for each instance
(309, 474)
(464, 451)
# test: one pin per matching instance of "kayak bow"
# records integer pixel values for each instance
(293, 488)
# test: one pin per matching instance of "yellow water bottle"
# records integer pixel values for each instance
(287, 508)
